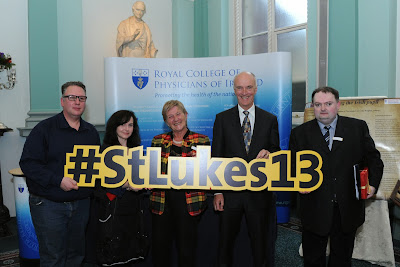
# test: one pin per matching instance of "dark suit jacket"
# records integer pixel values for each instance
(228, 137)
(357, 147)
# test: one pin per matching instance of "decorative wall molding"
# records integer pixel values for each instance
(37, 116)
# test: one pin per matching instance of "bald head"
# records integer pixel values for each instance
(242, 74)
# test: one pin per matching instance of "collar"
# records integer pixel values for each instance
(62, 122)
(251, 110)
(333, 124)
(171, 135)
(168, 141)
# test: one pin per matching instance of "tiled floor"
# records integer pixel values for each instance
(287, 234)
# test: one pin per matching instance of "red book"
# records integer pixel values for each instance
(364, 184)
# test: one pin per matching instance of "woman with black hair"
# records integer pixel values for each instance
(119, 224)
(122, 130)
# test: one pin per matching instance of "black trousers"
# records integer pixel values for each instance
(341, 245)
(237, 205)
(175, 224)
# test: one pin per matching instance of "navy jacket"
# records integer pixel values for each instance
(43, 157)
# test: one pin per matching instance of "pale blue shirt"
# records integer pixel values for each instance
(331, 130)
(252, 116)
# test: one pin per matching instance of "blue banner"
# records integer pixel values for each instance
(203, 85)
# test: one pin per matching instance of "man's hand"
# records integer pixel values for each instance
(371, 191)
(263, 154)
(219, 202)
(68, 184)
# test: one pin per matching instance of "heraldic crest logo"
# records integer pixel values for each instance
(140, 78)
(21, 188)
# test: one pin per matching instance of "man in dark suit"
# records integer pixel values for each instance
(247, 132)
(333, 210)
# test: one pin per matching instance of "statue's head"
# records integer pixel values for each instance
(139, 9)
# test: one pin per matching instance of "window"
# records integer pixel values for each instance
(276, 26)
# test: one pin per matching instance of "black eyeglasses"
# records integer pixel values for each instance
(81, 98)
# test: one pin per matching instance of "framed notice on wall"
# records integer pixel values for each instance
(383, 118)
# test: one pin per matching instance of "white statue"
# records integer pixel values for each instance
(134, 36)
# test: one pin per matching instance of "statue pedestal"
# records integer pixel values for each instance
(28, 243)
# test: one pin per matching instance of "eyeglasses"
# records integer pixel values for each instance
(81, 98)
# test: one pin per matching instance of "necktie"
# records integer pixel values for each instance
(326, 135)
(246, 131)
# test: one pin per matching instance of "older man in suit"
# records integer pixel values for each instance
(247, 132)
(333, 210)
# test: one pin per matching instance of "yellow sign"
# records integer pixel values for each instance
(117, 164)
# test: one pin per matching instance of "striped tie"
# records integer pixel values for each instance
(326, 135)
(246, 131)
